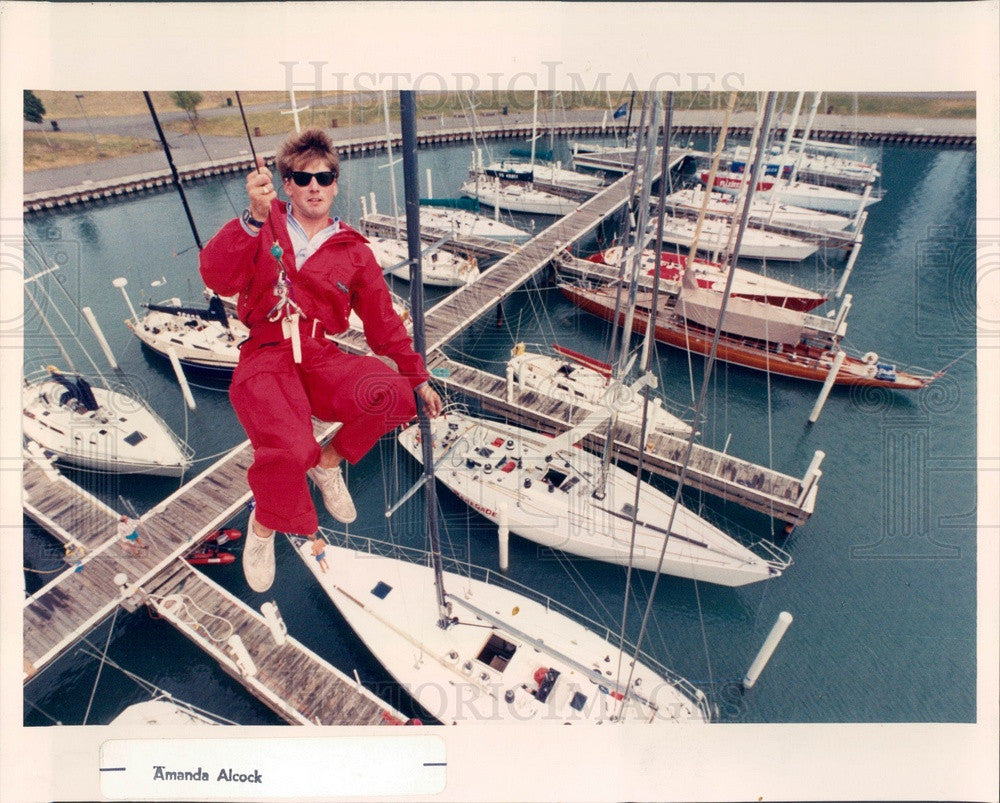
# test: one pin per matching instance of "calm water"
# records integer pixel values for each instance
(883, 585)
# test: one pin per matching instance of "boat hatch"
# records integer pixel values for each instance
(553, 477)
(381, 590)
(497, 652)
(135, 438)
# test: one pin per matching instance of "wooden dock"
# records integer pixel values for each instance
(291, 680)
(788, 499)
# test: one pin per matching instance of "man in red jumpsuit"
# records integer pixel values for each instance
(288, 370)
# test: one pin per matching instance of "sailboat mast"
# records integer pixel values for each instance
(173, 169)
(392, 167)
(411, 195)
(534, 128)
(647, 346)
(644, 138)
(793, 122)
(626, 224)
(805, 137)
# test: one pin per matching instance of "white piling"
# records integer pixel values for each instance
(179, 371)
(510, 383)
(242, 658)
(279, 631)
(812, 474)
(121, 283)
(831, 377)
(770, 644)
(862, 205)
(845, 307)
(503, 538)
(374, 205)
(430, 185)
(851, 259)
(101, 340)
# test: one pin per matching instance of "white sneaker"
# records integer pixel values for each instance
(258, 559)
(336, 497)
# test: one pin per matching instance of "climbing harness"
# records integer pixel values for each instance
(285, 308)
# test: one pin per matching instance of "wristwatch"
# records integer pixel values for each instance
(250, 220)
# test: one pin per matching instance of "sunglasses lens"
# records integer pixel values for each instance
(303, 179)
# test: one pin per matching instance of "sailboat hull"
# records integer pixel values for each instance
(505, 657)
(121, 435)
(797, 362)
(490, 467)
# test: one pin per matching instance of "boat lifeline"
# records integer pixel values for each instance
(501, 654)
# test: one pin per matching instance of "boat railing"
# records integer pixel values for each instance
(374, 546)
(776, 557)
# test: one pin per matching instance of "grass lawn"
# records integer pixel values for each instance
(49, 149)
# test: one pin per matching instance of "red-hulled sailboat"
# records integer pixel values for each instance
(755, 335)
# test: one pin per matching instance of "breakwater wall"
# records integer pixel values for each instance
(109, 190)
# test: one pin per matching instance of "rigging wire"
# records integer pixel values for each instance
(152, 689)
(758, 159)
(100, 667)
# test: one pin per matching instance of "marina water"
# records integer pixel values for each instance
(883, 587)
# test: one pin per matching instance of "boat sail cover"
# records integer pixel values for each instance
(743, 317)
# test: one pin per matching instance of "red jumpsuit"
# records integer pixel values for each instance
(274, 397)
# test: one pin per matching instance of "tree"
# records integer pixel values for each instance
(33, 108)
(188, 101)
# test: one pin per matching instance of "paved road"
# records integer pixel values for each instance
(191, 149)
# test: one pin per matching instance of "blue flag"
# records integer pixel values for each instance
(621, 111)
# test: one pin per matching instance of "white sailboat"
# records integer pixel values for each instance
(92, 426)
(202, 339)
(97, 428)
(466, 223)
(547, 173)
(512, 187)
(441, 268)
(500, 654)
(583, 382)
(796, 193)
(549, 492)
(713, 276)
(780, 214)
(163, 710)
(715, 236)
(518, 197)
(826, 166)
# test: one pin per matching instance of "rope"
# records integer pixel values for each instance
(182, 611)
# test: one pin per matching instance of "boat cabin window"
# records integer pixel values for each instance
(135, 438)
(497, 653)
(565, 370)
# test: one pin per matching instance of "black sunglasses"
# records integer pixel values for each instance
(303, 179)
